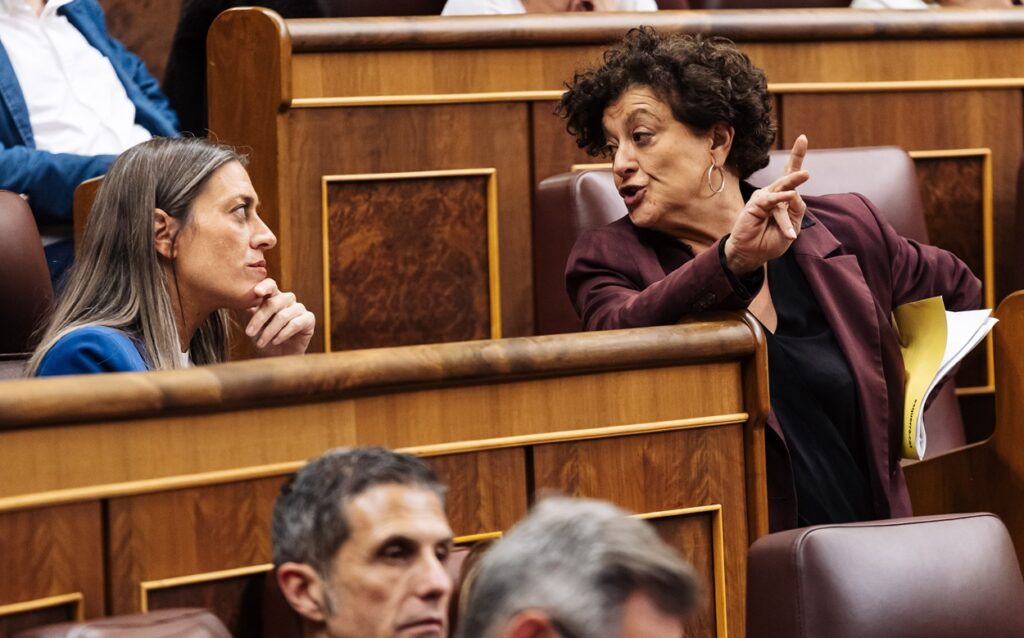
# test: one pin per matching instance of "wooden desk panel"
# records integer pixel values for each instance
(401, 141)
(686, 472)
(192, 460)
(52, 565)
(186, 533)
(432, 94)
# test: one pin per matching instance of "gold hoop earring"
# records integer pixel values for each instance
(721, 174)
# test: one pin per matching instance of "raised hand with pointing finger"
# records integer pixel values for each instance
(771, 220)
(687, 121)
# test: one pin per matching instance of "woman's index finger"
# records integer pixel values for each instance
(796, 156)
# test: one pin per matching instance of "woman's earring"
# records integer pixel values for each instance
(721, 175)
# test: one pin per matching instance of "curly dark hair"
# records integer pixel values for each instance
(704, 81)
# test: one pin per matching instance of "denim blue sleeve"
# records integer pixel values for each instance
(49, 179)
(91, 350)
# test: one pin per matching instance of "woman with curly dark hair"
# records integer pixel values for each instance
(686, 120)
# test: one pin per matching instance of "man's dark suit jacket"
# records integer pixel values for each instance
(859, 269)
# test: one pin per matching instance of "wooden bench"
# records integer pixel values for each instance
(122, 493)
(397, 158)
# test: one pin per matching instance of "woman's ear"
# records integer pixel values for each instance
(721, 142)
(165, 228)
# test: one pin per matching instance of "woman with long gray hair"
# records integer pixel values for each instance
(173, 243)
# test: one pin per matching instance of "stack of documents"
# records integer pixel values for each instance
(933, 341)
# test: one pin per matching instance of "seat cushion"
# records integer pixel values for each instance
(24, 277)
(926, 577)
(165, 623)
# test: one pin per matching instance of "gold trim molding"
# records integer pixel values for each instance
(438, 98)
(470, 539)
(601, 166)
(777, 88)
(76, 598)
(193, 579)
(717, 552)
(493, 272)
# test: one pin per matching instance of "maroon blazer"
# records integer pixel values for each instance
(621, 276)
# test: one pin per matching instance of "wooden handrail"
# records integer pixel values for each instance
(32, 402)
(595, 28)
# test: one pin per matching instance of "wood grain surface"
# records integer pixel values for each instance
(429, 93)
(664, 472)
(408, 261)
(693, 535)
(952, 190)
(178, 472)
(51, 552)
(145, 27)
(250, 385)
(598, 28)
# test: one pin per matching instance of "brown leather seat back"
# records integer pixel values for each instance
(26, 294)
(928, 577)
(884, 174)
(566, 206)
(165, 623)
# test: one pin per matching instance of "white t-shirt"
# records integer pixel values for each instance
(490, 7)
(76, 103)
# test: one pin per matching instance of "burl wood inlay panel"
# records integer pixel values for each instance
(408, 261)
(665, 471)
(952, 190)
(693, 535)
(187, 532)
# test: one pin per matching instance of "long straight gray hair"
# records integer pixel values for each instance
(118, 277)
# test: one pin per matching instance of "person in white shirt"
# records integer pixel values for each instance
(487, 7)
(71, 99)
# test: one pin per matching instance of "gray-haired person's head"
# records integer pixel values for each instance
(118, 279)
(577, 561)
(310, 522)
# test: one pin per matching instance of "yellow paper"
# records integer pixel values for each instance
(921, 326)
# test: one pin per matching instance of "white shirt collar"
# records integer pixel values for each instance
(15, 7)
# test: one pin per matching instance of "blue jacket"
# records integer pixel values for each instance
(92, 349)
(49, 179)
